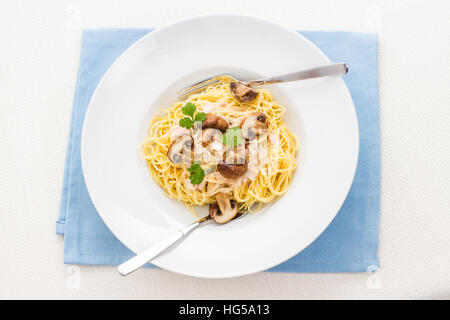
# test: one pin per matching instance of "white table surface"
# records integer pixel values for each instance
(40, 43)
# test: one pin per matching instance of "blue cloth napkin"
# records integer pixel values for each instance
(350, 242)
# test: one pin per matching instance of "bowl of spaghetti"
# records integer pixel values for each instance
(214, 145)
(285, 155)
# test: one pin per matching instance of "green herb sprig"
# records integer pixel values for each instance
(189, 109)
(197, 174)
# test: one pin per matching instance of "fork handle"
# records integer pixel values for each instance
(142, 258)
(328, 70)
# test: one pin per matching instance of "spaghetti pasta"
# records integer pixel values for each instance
(273, 155)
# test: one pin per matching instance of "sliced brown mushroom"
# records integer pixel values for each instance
(255, 124)
(214, 210)
(209, 135)
(242, 92)
(180, 150)
(232, 171)
(216, 122)
(224, 210)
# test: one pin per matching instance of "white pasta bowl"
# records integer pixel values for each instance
(144, 79)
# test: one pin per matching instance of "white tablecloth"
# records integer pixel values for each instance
(40, 42)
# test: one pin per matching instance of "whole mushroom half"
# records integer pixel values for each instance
(180, 151)
(234, 164)
(225, 209)
(232, 171)
(255, 124)
(216, 122)
(242, 92)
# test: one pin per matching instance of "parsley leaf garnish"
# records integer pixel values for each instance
(201, 116)
(189, 109)
(233, 137)
(197, 174)
(186, 123)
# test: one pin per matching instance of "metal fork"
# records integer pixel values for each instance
(323, 71)
(142, 258)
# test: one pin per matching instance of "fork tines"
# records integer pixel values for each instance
(196, 87)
